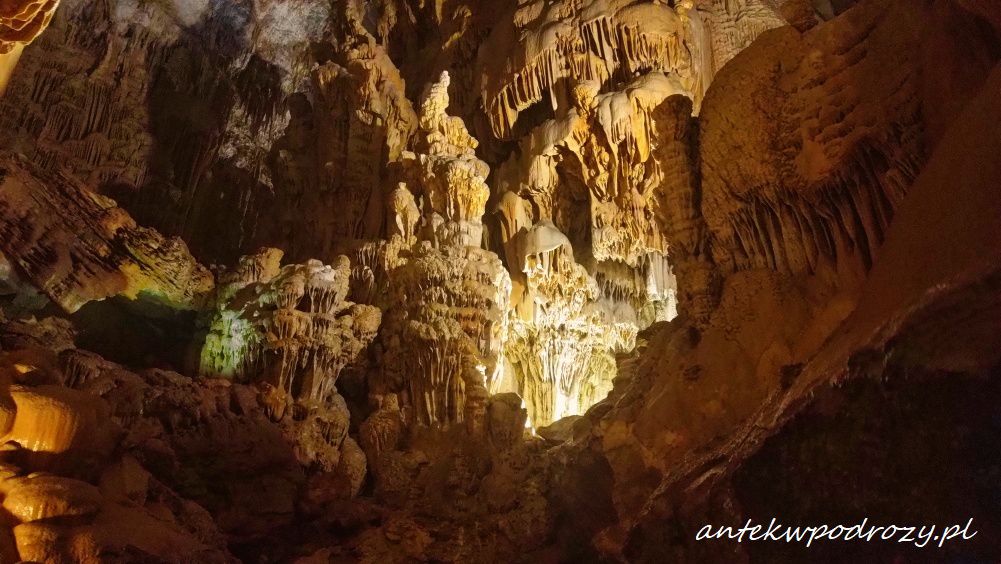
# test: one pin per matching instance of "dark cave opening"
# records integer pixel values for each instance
(138, 334)
(898, 452)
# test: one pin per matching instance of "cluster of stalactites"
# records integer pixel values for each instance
(562, 370)
(607, 142)
(438, 387)
(555, 45)
(552, 364)
(642, 294)
(290, 325)
(622, 175)
(561, 338)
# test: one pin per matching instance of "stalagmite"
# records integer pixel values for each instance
(446, 328)
(446, 298)
(452, 180)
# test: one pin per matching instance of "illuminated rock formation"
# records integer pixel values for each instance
(402, 214)
(598, 174)
(547, 48)
(562, 342)
(599, 165)
(61, 519)
(603, 146)
(20, 23)
(544, 46)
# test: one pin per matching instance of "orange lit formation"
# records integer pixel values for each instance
(20, 23)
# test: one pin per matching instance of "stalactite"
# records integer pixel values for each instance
(845, 217)
(577, 43)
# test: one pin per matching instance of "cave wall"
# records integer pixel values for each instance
(789, 319)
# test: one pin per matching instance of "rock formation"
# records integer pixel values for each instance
(783, 330)
(446, 298)
(20, 23)
(562, 344)
(445, 330)
(292, 325)
(527, 280)
(291, 330)
(77, 246)
(594, 176)
(72, 483)
(342, 132)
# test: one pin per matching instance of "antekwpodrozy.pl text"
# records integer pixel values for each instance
(920, 536)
